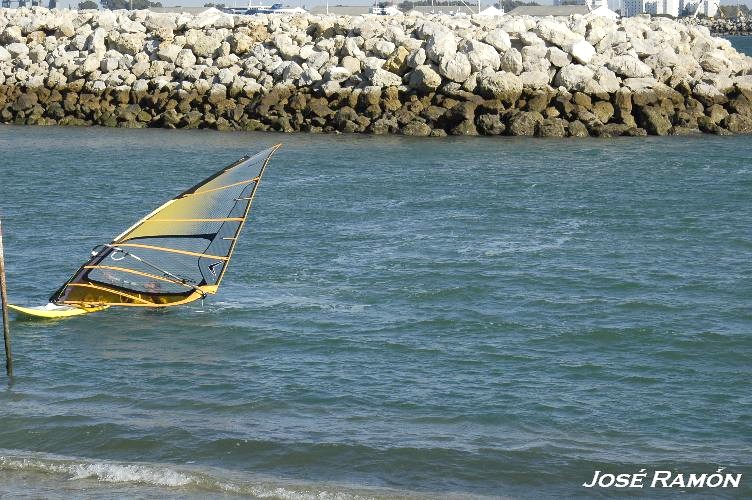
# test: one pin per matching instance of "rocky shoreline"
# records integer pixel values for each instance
(720, 26)
(411, 75)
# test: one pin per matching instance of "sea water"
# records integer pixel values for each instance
(402, 318)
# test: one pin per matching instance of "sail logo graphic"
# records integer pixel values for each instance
(213, 267)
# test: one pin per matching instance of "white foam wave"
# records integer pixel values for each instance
(101, 471)
(115, 473)
(154, 475)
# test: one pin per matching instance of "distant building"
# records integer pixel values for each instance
(491, 12)
(590, 3)
(563, 11)
(673, 8)
(707, 8)
(183, 10)
(549, 10)
(389, 10)
(604, 11)
(451, 10)
(666, 7)
(341, 10)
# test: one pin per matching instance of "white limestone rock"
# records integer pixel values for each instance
(607, 79)
(558, 57)
(455, 67)
(17, 50)
(511, 62)
(382, 78)
(91, 63)
(500, 85)
(157, 20)
(338, 74)
(581, 51)
(168, 51)
(441, 45)
(128, 43)
(108, 64)
(383, 49)
(499, 39)
(351, 64)
(480, 55)
(535, 79)
(556, 33)
(424, 78)
(715, 61)
(185, 59)
(573, 77)
(416, 58)
(629, 67)
(96, 40)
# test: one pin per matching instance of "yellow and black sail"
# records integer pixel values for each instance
(176, 254)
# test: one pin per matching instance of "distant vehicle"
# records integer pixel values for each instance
(275, 8)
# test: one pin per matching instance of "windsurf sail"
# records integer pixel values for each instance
(179, 252)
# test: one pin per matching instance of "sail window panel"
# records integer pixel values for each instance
(141, 283)
(88, 295)
(150, 259)
(211, 269)
(182, 265)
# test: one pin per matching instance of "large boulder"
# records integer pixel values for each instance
(555, 32)
(185, 59)
(203, 45)
(715, 61)
(382, 78)
(128, 43)
(628, 66)
(654, 120)
(455, 67)
(500, 85)
(441, 45)
(511, 62)
(4, 54)
(481, 55)
(525, 123)
(574, 77)
(499, 39)
(581, 51)
(535, 79)
(424, 78)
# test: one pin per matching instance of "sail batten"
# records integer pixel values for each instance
(176, 254)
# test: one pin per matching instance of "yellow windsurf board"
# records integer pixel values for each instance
(52, 311)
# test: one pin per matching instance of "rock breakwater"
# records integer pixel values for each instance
(720, 26)
(411, 74)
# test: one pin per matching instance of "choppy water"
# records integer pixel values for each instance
(402, 318)
(742, 43)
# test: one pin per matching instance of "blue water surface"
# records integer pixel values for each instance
(460, 315)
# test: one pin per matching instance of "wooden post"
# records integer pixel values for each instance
(4, 301)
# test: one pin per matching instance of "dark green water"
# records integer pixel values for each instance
(401, 318)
